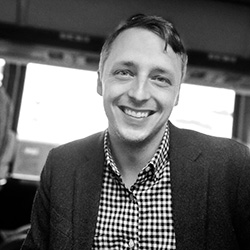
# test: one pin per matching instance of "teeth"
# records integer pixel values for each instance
(136, 114)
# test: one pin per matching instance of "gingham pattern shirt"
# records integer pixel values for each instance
(140, 217)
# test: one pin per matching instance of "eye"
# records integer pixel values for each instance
(123, 73)
(161, 80)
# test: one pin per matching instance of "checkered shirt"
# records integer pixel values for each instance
(140, 217)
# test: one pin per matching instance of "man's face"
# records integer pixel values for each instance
(140, 84)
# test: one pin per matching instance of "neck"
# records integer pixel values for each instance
(131, 157)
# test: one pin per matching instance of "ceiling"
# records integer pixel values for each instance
(220, 29)
(206, 25)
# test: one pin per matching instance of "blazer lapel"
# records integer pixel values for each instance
(88, 190)
(189, 177)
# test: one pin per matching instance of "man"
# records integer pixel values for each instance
(143, 183)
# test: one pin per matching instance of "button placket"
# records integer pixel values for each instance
(131, 197)
(131, 244)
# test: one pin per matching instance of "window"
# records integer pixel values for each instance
(205, 109)
(59, 105)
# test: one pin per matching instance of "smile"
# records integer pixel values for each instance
(136, 114)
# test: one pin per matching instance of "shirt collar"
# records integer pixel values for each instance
(155, 165)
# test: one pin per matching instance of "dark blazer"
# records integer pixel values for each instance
(210, 190)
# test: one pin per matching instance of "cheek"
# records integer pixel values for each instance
(167, 100)
(110, 97)
(113, 91)
(108, 85)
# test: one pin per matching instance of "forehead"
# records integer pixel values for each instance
(138, 37)
(141, 46)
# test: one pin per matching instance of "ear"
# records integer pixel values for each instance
(99, 84)
(177, 97)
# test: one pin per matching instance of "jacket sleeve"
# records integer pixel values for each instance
(38, 235)
(242, 224)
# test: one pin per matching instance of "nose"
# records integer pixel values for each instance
(139, 90)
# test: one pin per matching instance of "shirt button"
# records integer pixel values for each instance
(131, 197)
(131, 244)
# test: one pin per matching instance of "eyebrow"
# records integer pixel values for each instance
(126, 63)
(160, 70)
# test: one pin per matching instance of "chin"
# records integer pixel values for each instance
(132, 136)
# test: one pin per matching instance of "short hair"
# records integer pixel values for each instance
(161, 27)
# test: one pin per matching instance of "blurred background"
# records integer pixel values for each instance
(49, 53)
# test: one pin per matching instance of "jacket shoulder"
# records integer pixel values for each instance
(67, 159)
(80, 148)
(213, 148)
(184, 137)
